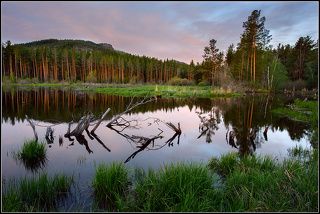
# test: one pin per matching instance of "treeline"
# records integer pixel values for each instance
(253, 62)
(256, 63)
(76, 60)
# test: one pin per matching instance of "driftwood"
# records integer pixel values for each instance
(129, 108)
(145, 142)
(102, 118)
(49, 136)
(33, 128)
(100, 141)
(60, 141)
(82, 125)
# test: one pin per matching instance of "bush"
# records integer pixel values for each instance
(179, 81)
(204, 83)
(295, 85)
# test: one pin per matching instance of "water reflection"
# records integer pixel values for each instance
(209, 123)
(247, 120)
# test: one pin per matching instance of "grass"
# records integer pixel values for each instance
(227, 184)
(33, 154)
(127, 90)
(305, 111)
(260, 184)
(166, 91)
(110, 184)
(178, 187)
(36, 194)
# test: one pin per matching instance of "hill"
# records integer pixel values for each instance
(78, 60)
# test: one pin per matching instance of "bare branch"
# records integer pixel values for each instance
(129, 108)
(33, 127)
(102, 118)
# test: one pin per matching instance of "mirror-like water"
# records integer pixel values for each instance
(210, 128)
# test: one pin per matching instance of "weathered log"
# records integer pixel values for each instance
(100, 141)
(33, 127)
(102, 118)
(49, 136)
(129, 108)
(83, 124)
(144, 145)
(174, 128)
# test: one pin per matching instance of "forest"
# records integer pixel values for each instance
(253, 62)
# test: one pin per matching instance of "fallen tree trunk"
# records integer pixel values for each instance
(102, 118)
(129, 108)
(83, 124)
(33, 127)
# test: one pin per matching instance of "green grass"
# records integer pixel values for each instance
(33, 154)
(127, 90)
(167, 91)
(110, 184)
(261, 184)
(228, 184)
(36, 194)
(178, 187)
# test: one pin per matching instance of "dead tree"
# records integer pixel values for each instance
(114, 120)
(102, 118)
(33, 128)
(145, 142)
(82, 125)
(49, 136)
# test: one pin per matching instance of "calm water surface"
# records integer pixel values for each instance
(206, 125)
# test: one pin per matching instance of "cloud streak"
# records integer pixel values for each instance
(177, 30)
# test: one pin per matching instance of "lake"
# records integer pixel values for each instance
(210, 128)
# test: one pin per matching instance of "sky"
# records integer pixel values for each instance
(173, 30)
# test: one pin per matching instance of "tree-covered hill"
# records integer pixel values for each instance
(77, 60)
(69, 43)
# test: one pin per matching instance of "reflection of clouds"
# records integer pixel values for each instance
(64, 158)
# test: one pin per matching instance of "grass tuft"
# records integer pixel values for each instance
(175, 188)
(110, 184)
(36, 194)
(33, 154)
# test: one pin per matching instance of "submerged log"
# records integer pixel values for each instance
(83, 124)
(33, 128)
(129, 108)
(102, 118)
(145, 142)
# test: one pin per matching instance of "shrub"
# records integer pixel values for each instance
(295, 85)
(179, 81)
(204, 83)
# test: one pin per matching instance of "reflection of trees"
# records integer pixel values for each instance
(250, 119)
(243, 135)
(209, 123)
(66, 105)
